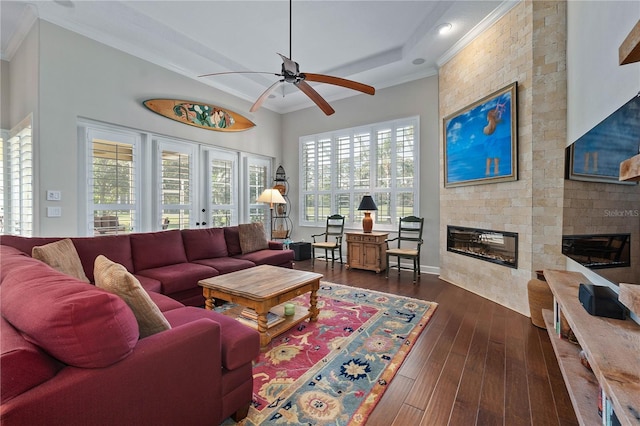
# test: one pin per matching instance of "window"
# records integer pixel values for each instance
(222, 170)
(259, 179)
(16, 216)
(113, 184)
(338, 168)
(176, 190)
(139, 182)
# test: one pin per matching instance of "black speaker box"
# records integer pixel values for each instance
(601, 301)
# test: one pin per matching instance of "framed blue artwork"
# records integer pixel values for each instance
(596, 155)
(480, 141)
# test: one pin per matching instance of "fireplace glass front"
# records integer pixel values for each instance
(492, 246)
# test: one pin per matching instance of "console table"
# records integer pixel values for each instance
(367, 250)
(611, 346)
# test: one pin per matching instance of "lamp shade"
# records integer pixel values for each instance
(367, 203)
(271, 196)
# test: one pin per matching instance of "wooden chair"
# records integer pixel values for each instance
(332, 239)
(409, 242)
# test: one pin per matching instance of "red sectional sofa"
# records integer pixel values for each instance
(169, 262)
(71, 352)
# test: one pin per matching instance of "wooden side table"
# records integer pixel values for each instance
(367, 250)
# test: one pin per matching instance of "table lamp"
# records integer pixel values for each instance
(367, 204)
(271, 196)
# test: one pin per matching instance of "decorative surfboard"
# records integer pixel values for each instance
(201, 115)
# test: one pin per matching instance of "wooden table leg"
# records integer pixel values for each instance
(209, 302)
(313, 305)
(262, 328)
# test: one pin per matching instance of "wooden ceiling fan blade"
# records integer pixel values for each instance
(338, 81)
(315, 97)
(258, 103)
(239, 72)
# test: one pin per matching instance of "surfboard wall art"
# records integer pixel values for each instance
(201, 115)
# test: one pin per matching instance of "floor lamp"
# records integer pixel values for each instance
(271, 196)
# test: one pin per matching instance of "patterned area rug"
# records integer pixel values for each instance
(334, 371)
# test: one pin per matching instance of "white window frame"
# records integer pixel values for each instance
(18, 179)
(161, 145)
(208, 154)
(250, 201)
(353, 216)
(119, 135)
(148, 178)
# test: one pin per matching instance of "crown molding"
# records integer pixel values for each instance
(26, 21)
(487, 22)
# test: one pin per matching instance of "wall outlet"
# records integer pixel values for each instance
(54, 211)
(54, 195)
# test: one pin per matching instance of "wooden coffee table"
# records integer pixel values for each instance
(265, 288)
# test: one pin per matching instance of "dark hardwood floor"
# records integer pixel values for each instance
(476, 362)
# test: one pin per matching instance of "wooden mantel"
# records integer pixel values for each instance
(629, 50)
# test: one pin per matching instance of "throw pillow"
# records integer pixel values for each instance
(252, 237)
(114, 278)
(62, 256)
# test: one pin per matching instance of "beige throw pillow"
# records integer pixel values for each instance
(115, 278)
(252, 237)
(62, 256)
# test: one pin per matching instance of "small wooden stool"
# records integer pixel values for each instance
(540, 297)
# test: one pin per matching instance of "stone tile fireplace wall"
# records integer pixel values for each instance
(527, 45)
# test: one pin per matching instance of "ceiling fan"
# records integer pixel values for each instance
(290, 73)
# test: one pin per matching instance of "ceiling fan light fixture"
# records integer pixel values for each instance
(444, 28)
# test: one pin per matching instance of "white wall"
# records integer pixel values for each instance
(409, 99)
(5, 121)
(79, 77)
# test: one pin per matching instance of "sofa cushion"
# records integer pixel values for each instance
(232, 237)
(24, 365)
(164, 303)
(155, 249)
(114, 278)
(204, 243)
(75, 322)
(26, 244)
(226, 264)
(252, 237)
(115, 247)
(62, 256)
(269, 257)
(240, 344)
(179, 277)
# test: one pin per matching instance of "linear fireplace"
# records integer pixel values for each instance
(492, 246)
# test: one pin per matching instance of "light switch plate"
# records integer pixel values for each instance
(54, 195)
(54, 211)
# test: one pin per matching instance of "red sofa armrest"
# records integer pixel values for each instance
(173, 377)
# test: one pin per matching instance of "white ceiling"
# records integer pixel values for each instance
(373, 42)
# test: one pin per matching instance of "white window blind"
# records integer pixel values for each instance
(17, 181)
(176, 179)
(222, 171)
(113, 191)
(337, 169)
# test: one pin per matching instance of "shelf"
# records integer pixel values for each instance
(581, 383)
(301, 314)
(630, 297)
(612, 347)
(629, 50)
(630, 169)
